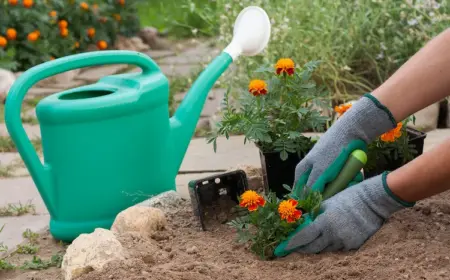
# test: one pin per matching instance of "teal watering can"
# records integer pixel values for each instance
(110, 145)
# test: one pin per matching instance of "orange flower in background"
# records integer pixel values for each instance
(285, 65)
(52, 58)
(95, 7)
(62, 24)
(3, 42)
(33, 36)
(341, 109)
(28, 3)
(11, 34)
(64, 32)
(251, 200)
(288, 211)
(117, 17)
(257, 87)
(121, 2)
(91, 32)
(102, 45)
(84, 6)
(392, 134)
(13, 2)
(53, 13)
(76, 45)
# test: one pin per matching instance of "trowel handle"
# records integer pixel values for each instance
(40, 173)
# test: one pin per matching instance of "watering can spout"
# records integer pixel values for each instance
(250, 36)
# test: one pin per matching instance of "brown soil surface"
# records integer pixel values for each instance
(414, 244)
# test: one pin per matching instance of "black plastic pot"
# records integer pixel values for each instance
(277, 172)
(417, 138)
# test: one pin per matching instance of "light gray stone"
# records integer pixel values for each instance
(178, 70)
(158, 54)
(202, 53)
(11, 235)
(164, 200)
(7, 79)
(93, 74)
(150, 36)
(21, 190)
(40, 92)
(33, 131)
(427, 118)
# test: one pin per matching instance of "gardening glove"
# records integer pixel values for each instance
(347, 219)
(366, 120)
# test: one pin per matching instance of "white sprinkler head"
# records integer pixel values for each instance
(251, 33)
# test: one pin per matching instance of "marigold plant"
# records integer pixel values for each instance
(276, 108)
(392, 146)
(269, 220)
(33, 31)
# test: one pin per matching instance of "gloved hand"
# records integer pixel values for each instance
(347, 220)
(366, 120)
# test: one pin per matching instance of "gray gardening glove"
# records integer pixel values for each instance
(366, 120)
(347, 220)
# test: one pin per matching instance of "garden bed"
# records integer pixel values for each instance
(412, 245)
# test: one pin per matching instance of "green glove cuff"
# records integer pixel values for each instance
(392, 195)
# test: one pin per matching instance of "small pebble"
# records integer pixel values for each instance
(145, 272)
(168, 249)
(396, 259)
(192, 250)
(447, 258)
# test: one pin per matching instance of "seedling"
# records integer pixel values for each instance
(27, 249)
(17, 209)
(38, 264)
(31, 236)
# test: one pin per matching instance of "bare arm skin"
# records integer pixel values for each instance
(420, 82)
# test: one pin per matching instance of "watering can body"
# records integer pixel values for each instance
(108, 145)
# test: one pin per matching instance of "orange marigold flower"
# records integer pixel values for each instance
(76, 45)
(288, 211)
(28, 3)
(91, 32)
(11, 34)
(64, 32)
(102, 45)
(121, 2)
(62, 24)
(38, 33)
(257, 87)
(251, 200)
(33, 36)
(117, 17)
(285, 65)
(52, 58)
(13, 2)
(341, 109)
(84, 6)
(53, 13)
(3, 42)
(392, 134)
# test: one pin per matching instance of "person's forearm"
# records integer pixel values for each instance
(420, 82)
(423, 177)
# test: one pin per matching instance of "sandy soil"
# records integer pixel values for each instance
(414, 244)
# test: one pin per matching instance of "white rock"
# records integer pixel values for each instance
(7, 79)
(142, 219)
(90, 252)
(427, 118)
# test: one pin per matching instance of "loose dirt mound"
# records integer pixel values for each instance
(414, 244)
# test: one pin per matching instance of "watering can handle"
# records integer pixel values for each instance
(39, 172)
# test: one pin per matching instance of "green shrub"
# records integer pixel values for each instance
(181, 18)
(35, 31)
(360, 43)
